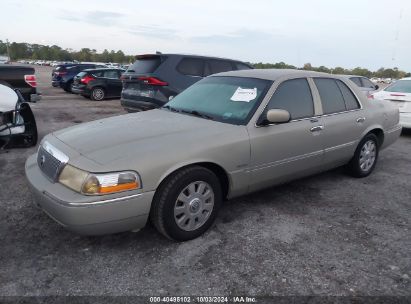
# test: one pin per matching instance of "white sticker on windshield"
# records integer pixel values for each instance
(245, 95)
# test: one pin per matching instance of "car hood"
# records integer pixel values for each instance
(129, 136)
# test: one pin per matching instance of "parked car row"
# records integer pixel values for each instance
(155, 79)
(63, 75)
(150, 82)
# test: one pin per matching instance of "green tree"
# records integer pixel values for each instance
(339, 71)
(307, 66)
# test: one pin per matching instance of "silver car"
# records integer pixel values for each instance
(365, 85)
(228, 135)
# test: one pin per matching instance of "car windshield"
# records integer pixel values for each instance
(403, 86)
(226, 99)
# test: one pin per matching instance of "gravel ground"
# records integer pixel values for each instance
(329, 234)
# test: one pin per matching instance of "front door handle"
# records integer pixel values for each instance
(316, 128)
(360, 119)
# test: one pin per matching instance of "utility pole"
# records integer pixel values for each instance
(8, 49)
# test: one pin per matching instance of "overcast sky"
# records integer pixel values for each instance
(345, 33)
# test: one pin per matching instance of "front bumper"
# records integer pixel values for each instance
(55, 83)
(88, 215)
(405, 120)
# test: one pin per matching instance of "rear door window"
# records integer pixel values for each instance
(356, 80)
(98, 73)
(367, 84)
(294, 96)
(111, 74)
(351, 101)
(331, 97)
(145, 65)
(191, 67)
(81, 74)
(218, 66)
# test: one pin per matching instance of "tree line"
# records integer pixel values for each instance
(45, 52)
(394, 73)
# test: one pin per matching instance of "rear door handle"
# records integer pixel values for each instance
(360, 119)
(316, 128)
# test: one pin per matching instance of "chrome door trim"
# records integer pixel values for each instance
(285, 161)
(351, 143)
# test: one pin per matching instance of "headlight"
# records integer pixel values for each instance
(95, 184)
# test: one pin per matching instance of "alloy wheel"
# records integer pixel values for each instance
(194, 206)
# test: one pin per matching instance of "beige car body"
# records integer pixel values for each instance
(246, 158)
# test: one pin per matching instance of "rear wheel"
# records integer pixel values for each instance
(187, 203)
(97, 94)
(365, 157)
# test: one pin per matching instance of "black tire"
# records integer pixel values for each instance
(162, 210)
(98, 94)
(67, 87)
(354, 166)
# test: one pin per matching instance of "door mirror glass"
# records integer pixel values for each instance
(377, 86)
(278, 116)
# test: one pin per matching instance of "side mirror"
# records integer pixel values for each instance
(276, 116)
(377, 86)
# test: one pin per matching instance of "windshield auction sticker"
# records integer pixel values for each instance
(245, 95)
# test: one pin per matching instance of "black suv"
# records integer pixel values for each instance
(156, 78)
(98, 84)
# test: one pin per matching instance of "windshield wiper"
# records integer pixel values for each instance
(170, 108)
(196, 113)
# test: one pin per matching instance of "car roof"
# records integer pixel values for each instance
(103, 69)
(192, 55)
(272, 74)
(349, 76)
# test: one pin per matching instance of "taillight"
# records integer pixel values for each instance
(398, 95)
(60, 73)
(152, 81)
(30, 80)
(122, 77)
(371, 96)
(86, 79)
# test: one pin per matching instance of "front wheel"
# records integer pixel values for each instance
(365, 157)
(187, 203)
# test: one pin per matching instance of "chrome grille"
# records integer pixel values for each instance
(48, 164)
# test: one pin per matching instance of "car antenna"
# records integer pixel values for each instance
(158, 53)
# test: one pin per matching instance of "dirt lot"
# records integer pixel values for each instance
(329, 234)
